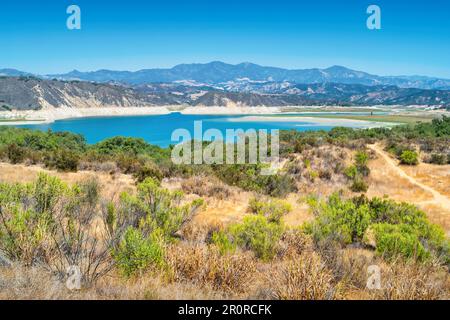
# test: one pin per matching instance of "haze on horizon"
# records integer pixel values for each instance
(135, 35)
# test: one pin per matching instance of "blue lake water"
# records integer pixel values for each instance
(157, 129)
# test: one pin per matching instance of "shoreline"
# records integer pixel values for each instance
(316, 121)
(46, 116)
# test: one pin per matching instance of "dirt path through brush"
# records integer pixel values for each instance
(439, 198)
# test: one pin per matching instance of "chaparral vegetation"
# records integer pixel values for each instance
(138, 226)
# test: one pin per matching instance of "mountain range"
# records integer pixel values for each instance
(219, 72)
(218, 84)
(30, 93)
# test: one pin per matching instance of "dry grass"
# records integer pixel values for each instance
(432, 175)
(206, 267)
(207, 187)
(385, 180)
(305, 277)
(20, 283)
(111, 185)
(200, 273)
(412, 281)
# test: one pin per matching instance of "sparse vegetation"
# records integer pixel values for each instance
(142, 236)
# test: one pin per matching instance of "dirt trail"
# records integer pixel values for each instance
(438, 198)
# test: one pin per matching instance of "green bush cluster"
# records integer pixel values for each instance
(409, 157)
(272, 209)
(136, 253)
(357, 172)
(439, 158)
(152, 217)
(249, 177)
(394, 229)
(255, 233)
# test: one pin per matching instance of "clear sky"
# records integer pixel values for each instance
(138, 34)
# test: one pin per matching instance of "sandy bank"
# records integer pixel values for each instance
(250, 113)
(51, 115)
(308, 121)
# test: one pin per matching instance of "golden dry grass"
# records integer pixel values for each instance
(111, 185)
(426, 185)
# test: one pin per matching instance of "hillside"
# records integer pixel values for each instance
(30, 93)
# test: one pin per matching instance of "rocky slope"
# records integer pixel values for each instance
(30, 93)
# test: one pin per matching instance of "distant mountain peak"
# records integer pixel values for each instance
(216, 72)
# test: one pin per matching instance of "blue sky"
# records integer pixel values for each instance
(137, 34)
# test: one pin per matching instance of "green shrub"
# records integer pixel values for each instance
(156, 208)
(409, 157)
(401, 240)
(148, 170)
(394, 229)
(351, 172)
(15, 153)
(361, 159)
(24, 233)
(440, 159)
(223, 242)
(137, 253)
(256, 233)
(62, 160)
(249, 177)
(272, 209)
(338, 220)
(359, 185)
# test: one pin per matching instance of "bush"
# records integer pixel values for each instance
(440, 159)
(409, 157)
(256, 233)
(401, 240)
(137, 253)
(48, 223)
(393, 229)
(148, 170)
(338, 220)
(15, 153)
(248, 177)
(359, 185)
(351, 172)
(272, 209)
(223, 242)
(409, 280)
(62, 160)
(361, 159)
(156, 209)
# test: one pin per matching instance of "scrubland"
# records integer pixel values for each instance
(139, 227)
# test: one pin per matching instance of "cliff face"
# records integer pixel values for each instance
(35, 94)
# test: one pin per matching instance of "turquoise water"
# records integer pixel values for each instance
(157, 129)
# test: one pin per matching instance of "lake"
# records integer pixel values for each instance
(157, 129)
